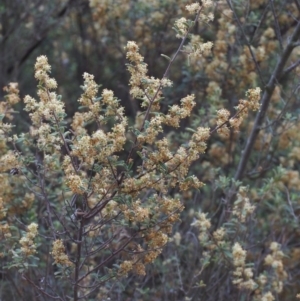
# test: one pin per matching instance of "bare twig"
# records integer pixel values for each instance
(290, 204)
(161, 82)
(276, 75)
(290, 68)
(77, 263)
(263, 17)
(277, 28)
(247, 42)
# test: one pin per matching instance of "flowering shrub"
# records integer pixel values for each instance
(178, 201)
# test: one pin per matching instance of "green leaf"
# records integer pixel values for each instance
(66, 133)
(163, 167)
(167, 57)
(20, 139)
(146, 124)
(190, 130)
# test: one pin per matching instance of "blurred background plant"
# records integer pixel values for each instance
(239, 234)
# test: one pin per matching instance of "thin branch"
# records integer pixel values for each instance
(276, 75)
(290, 68)
(298, 5)
(77, 263)
(13, 284)
(277, 28)
(113, 254)
(161, 82)
(290, 204)
(247, 42)
(41, 290)
(263, 17)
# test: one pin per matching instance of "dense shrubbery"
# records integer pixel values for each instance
(177, 178)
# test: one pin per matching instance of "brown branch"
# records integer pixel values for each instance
(40, 289)
(289, 69)
(97, 267)
(77, 262)
(277, 28)
(274, 79)
(247, 42)
(263, 17)
(161, 81)
(297, 4)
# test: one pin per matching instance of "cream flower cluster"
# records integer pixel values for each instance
(182, 25)
(11, 98)
(243, 276)
(242, 207)
(28, 246)
(148, 89)
(59, 253)
(12, 91)
(49, 110)
(223, 116)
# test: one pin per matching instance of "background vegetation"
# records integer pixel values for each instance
(237, 236)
